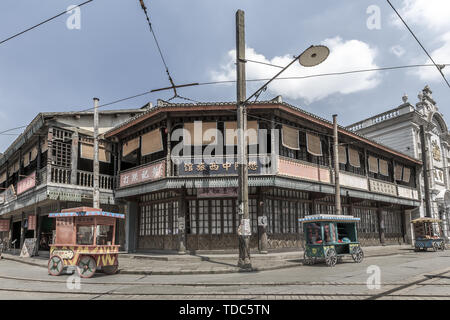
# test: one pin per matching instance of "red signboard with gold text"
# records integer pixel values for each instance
(31, 222)
(27, 183)
(4, 225)
(148, 173)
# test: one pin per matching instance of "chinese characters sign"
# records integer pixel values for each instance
(4, 225)
(148, 173)
(27, 183)
(217, 192)
(31, 222)
(188, 168)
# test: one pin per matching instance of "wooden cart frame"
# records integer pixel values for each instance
(428, 234)
(85, 238)
(330, 238)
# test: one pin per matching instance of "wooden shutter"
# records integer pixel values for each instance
(384, 168)
(129, 146)
(289, 138)
(87, 151)
(354, 159)
(398, 170)
(313, 144)
(34, 152)
(373, 164)
(231, 138)
(406, 174)
(342, 154)
(151, 142)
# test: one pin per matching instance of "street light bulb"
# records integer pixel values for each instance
(313, 56)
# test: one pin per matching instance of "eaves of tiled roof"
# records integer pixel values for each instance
(163, 106)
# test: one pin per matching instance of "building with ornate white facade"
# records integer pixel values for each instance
(399, 128)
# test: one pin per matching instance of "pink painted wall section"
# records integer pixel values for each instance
(148, 173)
(304, 171)
(26, 183)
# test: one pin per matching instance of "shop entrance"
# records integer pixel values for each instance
(46, 236)
(16, 234)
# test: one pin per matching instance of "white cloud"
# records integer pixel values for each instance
(344, 56)
(433, 14)
(440, 56)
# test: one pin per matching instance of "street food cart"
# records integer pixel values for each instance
(329, 238)
(428, 234)
(85, 238)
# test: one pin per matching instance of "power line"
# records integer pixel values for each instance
(325, 74)
(43, 22)
(255, 80)
(173, 86)
(438, 67)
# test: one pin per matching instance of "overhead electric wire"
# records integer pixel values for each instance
(43, 22)
(324, 74)
(254, 80)
(418, 41)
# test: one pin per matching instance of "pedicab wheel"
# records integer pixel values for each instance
(86, 267)
(110, 270)
(307, 259)
(55, 266)
(436, 246)
(358, 254)
(331, 257)
(442, 245)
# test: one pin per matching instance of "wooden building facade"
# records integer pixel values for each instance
(49, 167)
(178, 200)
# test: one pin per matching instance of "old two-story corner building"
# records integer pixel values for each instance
(188, 203)
(399, 128)
(49, 167)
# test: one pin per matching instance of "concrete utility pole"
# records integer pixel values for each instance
(244, 228)
(425, 170)
(336, 166)
(96, 195)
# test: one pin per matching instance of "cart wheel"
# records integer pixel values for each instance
(110, 269)
(55, 266)
(308, 260)
(357, 254)
(331, 257)
(86, 267)
(436, 246)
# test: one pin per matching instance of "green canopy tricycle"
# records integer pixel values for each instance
(330, 237)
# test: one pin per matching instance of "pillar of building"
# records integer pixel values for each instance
(131, 225)
(22, 230)
(182, 212)
(74, 158)
(381, 226)
(37, 230)
(262, 232)
(407, 226)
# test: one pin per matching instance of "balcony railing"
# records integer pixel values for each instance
(86, 179)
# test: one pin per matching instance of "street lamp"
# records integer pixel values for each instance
(312, 56)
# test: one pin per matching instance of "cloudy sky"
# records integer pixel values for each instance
(113, 55)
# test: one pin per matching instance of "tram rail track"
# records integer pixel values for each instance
(226, 295)
(223, 284)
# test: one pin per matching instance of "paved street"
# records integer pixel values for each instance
(408, 275)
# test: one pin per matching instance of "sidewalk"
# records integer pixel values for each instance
(172, 264)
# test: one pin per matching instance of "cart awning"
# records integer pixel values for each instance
(87, 213)
(329, 217)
